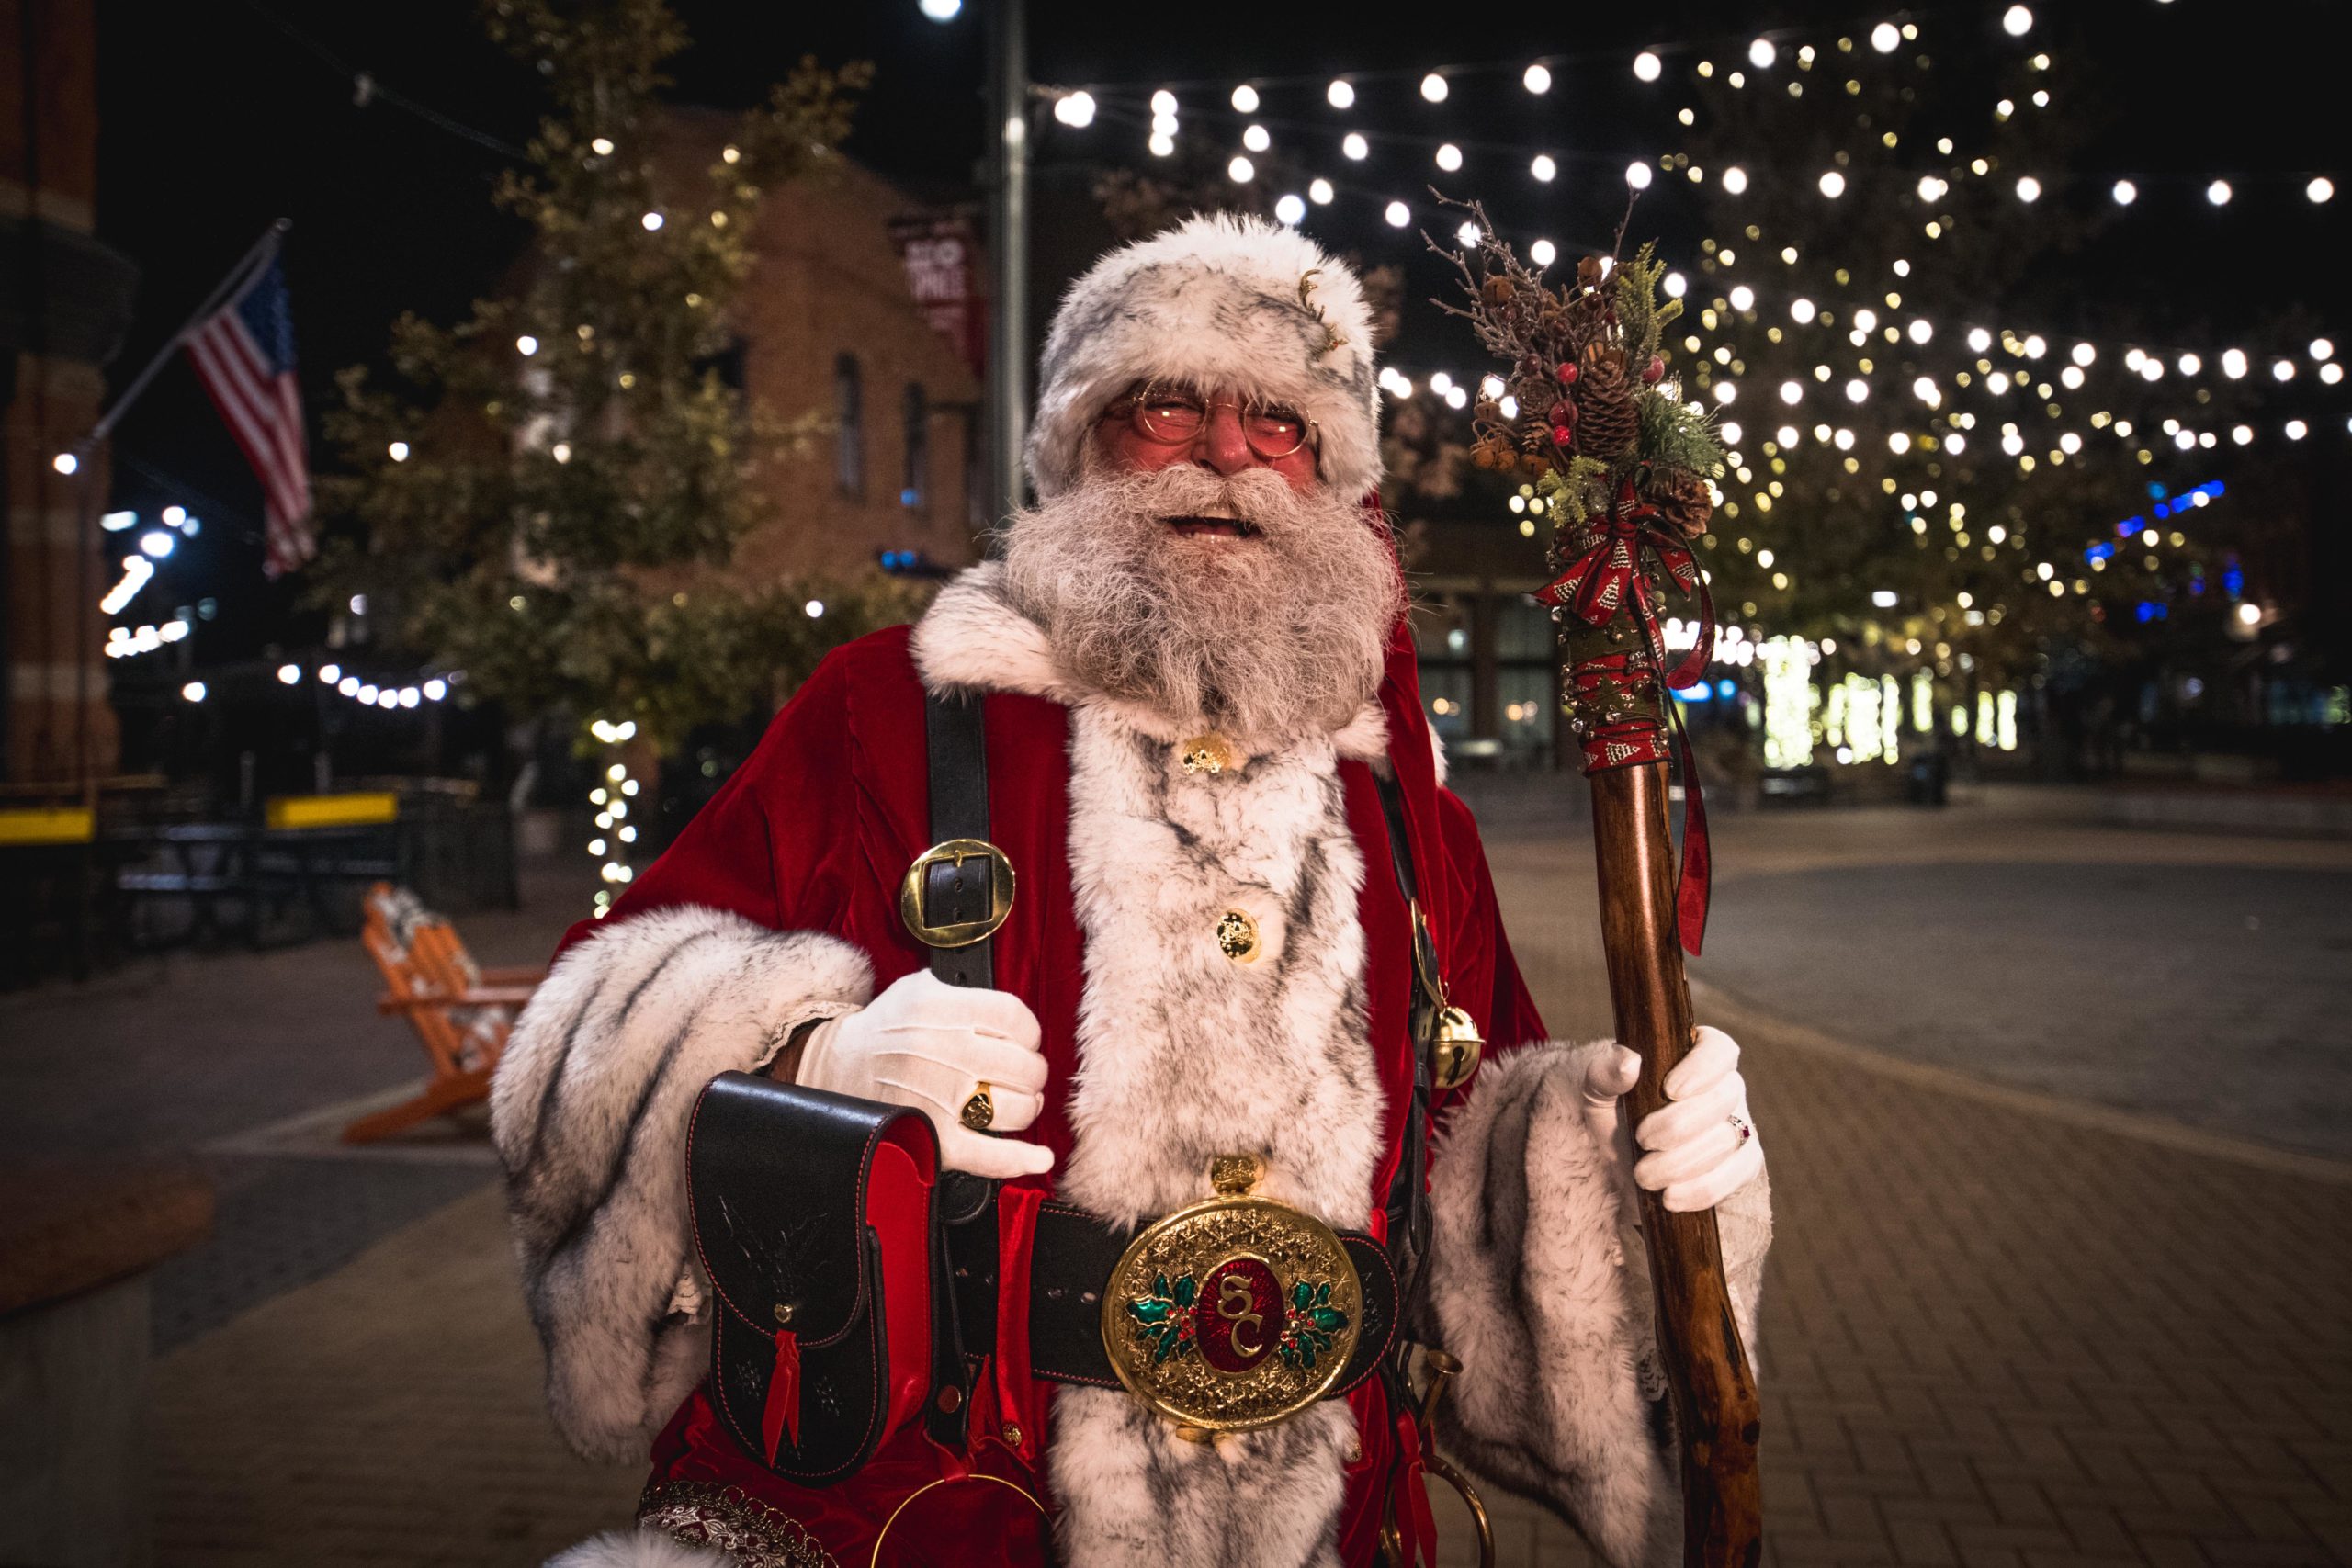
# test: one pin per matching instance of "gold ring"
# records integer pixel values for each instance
(979, 1111)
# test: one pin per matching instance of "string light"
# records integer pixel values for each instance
(1537, 79)
(1245, 99)
(1433, 87)
(1543, 168)
(1341, 95)
(1647, 67)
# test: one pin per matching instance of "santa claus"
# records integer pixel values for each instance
(1236, 946)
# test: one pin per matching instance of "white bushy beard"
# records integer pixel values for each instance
(1267, 638)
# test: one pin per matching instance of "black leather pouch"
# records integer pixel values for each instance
(812, 1216)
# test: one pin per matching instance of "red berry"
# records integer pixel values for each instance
(1656, 368)
(1569, 374)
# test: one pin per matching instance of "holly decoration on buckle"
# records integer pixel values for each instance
(1312, 1325)
(1164, 1319)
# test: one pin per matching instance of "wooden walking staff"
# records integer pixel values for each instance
(1620, 461)
(1616, 695)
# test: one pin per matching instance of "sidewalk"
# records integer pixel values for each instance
(1998, 1329)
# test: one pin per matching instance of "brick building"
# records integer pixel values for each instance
(64, 303)
(828, 324)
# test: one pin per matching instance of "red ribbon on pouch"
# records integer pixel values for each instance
(780, 1417)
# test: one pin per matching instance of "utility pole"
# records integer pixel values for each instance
(1008, 252)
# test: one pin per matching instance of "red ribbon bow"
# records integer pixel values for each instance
(1607, 579)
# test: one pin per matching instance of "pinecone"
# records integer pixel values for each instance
(1682, 503)
(1607, 420)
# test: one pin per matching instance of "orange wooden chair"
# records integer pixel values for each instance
(461, 1012)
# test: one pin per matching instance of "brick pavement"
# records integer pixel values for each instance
(1995, 1330)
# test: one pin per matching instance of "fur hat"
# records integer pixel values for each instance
(1222, 303)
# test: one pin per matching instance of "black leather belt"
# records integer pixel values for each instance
(1068, 1265)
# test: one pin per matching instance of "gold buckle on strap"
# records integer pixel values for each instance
(1233, 1313)
(957, 934)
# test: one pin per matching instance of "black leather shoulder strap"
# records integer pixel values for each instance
(1409, 1203)
(957, 743)
(956, 740)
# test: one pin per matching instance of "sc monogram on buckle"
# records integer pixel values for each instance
(1234, 1313)
(955, 855)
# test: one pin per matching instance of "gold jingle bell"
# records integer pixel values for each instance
(1454, 1053)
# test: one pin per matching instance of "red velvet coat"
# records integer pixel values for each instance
(815, 832)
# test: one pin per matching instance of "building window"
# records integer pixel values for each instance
(849, 415)
(914, 485)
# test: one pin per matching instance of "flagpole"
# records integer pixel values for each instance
(252, 262)
(85, 509)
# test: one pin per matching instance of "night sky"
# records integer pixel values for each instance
(218, 116)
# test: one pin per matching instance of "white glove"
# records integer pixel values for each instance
(925, 1043)
(1703, 1147)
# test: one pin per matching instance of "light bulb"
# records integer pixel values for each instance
(1647, 66)
(1433, 87)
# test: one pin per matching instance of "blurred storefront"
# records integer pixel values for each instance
(1489, 663)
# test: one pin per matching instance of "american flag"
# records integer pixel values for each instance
(245, 354)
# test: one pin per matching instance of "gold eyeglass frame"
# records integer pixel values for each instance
(1131, 406)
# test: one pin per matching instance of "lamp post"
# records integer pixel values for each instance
(1008, 251)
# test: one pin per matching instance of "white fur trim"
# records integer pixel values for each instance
(971, 640)
(1185, 1053)
(1214, 302)
(1137, 1495)
(1529, 1286)
(589, 1111)
(639, 1549)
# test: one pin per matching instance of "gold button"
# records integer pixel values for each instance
(1237, 936)
(1210, 754)
(1011, 1436)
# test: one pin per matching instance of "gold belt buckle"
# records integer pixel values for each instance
(1233, 1313)
(957, 934)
